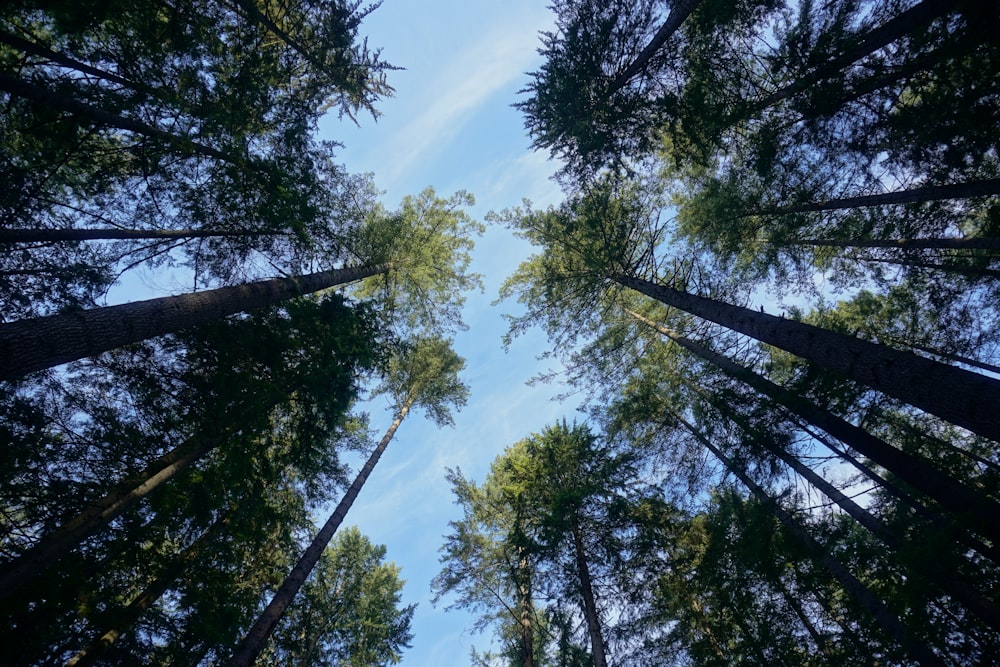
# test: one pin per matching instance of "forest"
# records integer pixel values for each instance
(771, 279)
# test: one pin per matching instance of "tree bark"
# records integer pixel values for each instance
(861, 593)
(971, 508)
(45, 98)
(43, 342)
(52, 235)
(39, 558)
(928, 193)
(589, 602)
(253, 643)
(962, 397)
(679, 11)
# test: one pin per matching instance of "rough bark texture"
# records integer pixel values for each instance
(36, 560)
(962, 397)
(253, 643)
(44, 342)
(864, 596)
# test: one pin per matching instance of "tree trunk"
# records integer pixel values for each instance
(930, 244)
(679, 11)
(44, 98)
(947, 581)
(253, 643)
(855, 588)
(949, 268)
(948, 527)
(525, 604)
(40, 50)
(52, 235)
(822, 645)
(589, 603)
(957, 358)
(125, 618)
(44, 342)
(39, 558)
(968, 190)
(970, 507)
(962, 397)
(917, 16)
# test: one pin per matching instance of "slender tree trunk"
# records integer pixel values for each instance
(861, 593)
(917, 16)
(125, 618)
(525, 607)
(928, 193)
(52, 235)
(44, 342)
(821, 643)
(589, 602)
(39, 50)
(255, 14)
(253, 643)
(948, 582)
(962, 397)
(949, 268)
(930, 244)
(679, 11)
(893, 489)
(39, 558)
(45, 98)
(957, 358)
(967, 504)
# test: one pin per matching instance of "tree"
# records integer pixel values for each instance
(349, 610)
(426, 374)
(297, 369)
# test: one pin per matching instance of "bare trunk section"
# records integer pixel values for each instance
(253, 643)
(962, 397)
(589, 602)
(970, 507)
(946, 581)
(43, 342)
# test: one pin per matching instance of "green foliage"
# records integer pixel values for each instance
(426, 246)
(348, 612)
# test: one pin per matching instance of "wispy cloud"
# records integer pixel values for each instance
(451, 99)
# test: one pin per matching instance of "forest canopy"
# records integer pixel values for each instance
(770, 279)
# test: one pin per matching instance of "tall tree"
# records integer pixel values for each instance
(424, 374)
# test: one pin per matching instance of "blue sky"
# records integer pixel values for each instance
(450, 125)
